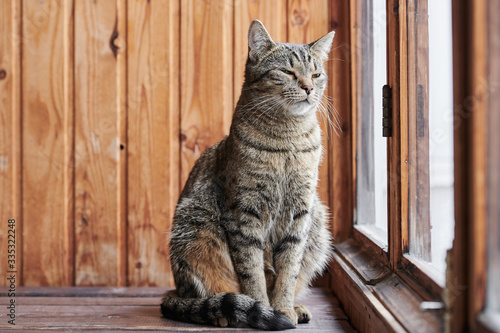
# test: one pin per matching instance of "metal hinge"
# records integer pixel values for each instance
(386, 111)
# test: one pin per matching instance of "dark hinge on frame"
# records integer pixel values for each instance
(386, 111)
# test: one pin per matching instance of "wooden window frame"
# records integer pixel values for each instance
(472, 90)
(378, 288)
(369, 281)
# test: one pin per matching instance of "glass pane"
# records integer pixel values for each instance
(371, 203)
(430, 126)
(493, 294)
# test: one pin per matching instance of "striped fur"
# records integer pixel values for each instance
(249, 232)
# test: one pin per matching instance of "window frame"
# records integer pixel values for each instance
(397, 147)
(472, 60)
(354, 251)
(375, 279)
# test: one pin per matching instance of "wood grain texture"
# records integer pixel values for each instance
(272, 14)
(118, 45)
(47, 132)
(402, 302)
(153, 138)
(206, 78)
(98, 56)
(394, 142)
(136, 309)
(458, 261)
(340, 147)
(376, 249)
(386, 299)
(119, 99)
(307, 22)
(373, 270)
(10, 132)
(421, 276)
(404, 59)
(365, 311)
(69, 141)
(477, 104)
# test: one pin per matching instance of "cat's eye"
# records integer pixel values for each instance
(289, 73)
(315, 76)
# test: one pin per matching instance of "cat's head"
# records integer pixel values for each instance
(292, 77)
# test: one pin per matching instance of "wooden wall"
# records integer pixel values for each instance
(104, 108)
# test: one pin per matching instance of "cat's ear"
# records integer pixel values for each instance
(259, 41)
(322, 46)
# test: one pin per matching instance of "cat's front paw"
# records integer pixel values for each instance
(291, 314)
(224, 322)
(303, 313)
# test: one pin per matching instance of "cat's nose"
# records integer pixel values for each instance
(307, 88)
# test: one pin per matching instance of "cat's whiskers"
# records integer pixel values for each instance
(324, 115)
(270, 102)
(325, 111)
(254, 107)
(274, 107)
(335, 113)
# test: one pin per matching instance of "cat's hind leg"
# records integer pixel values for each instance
(200, 259)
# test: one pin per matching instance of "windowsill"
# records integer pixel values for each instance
(376, 235)
(429, 270)
(375, 297)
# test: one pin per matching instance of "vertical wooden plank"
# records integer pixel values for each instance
(411, 130)
(272, 14)
(119, 47)
(153, 138)
(47, 134)
(477, 101)
(99, 108)
(340, 145)
(394, 142)
(458, 259)
(405, 59)
(466, 276)
(206, 77)
(69, 140)
(10, 133)
(308, 21)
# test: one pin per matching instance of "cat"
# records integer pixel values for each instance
(249, 231)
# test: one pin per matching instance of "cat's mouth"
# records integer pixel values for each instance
(305, 100)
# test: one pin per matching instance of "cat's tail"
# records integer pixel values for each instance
(226, 307)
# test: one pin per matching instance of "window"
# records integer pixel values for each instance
(426, 129)
(430, 135)
(434, 228)
(371, 157)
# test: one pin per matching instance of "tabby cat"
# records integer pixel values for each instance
(249, 232)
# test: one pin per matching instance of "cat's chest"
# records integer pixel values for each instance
(301, 161)
(284, 157)
(291, 178)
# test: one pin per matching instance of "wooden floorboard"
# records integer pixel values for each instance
(134, 309)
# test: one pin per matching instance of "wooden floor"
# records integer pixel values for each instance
(133, 309)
